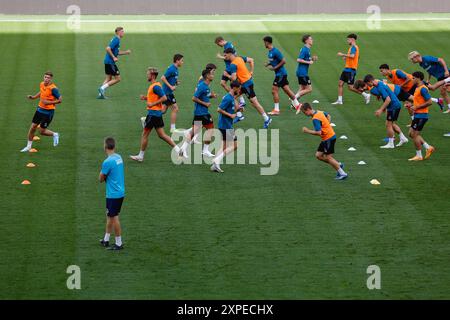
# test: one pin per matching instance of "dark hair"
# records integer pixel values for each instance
(118, 29)
(49, 73)
(353, 36)
(306, 106)
(359, 84)
(419, 75)
(306, 37)
(384, 66)
(110, 143)
(368, 78)
(229, 50)
(218, 39)
(205, 73)
(268, 39)
(177, 57)
(210, 66)
(235, 84)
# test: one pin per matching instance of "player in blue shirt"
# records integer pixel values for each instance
(227, 112)
(437, 68)
(112, 174)
(304, 61)
(170, 84)
(392, 105)
(111, 57)
(202, 117)
(276, 63)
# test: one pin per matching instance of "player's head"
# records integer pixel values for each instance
(351, 38)
(152, 73)
(414, 57)
(119, 32)
(307, 39)
(268, 42)
(207, 74)
(211, 66)
(178, 59)
(48, 76)
(229, 54)
(235, 87)
(384, 70)
(360, 85)
(369, 79)
(109, 144)
(418, 77)
(220, 41)
(307, 109)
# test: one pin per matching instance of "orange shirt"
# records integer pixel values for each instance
(46, 94)
(399, 81)
(153, 97)
(419, 99)
(327, 131)
(242, 73)
(352, 63)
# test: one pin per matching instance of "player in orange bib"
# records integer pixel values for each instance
(154, 98)
(49, 97)
(323, 128)
(348, 75)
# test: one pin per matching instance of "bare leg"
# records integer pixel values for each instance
(31, 131)
(117, 227)
(173, 115)
(144, 138)
(164, 136)
(109, 225)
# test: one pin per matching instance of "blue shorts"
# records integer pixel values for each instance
(113, 206)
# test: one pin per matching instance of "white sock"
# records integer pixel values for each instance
(296, 103)
(426, 145)
(419, 153)
(239, 114)
(448, 105)
(29, 144)
(241, 100)
(412, 117)
(177, 149)
(297, 95)
(206, 147)
(435, 100)
(340, 98)
(103, 87)
(391, 141)
(106, 237)
(219, 158)
(195, 137)
(119, 241)
(402, 136)
(265, 117)
(141, 154)
(184, 146)
(365, 94)
(172, 126)
(276, 106)
(341, 171)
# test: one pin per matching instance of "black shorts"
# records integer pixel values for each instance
(412, 90)
(206, 120)
(153, 122)
(304, 81)
(280, 81)
(248, 91)
(442, 78)
(327, 146)
(403, 95)
(348, 76)
(228, 135)
(42, 119)
(392, 115)
(418, 123)
(113, 206)
(111, 70)
(225, 78)
(170, 100)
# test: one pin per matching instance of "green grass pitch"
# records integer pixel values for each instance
(191, 234)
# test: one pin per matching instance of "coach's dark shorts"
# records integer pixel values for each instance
(228, 134)
(304, 81)
(248, 91)
(392, 115)
(111, 70)
(418, 124)
(412, 90)
(348, 76)
(152, 121)
(327, 146)
(403, 95)
(170, 100)
(280, 81)
(113, 206)
(42, 119)
(206, 120)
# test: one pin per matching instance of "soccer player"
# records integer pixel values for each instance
(240, 72)
(276, 63)
(322, 127)
(202, 117)
(422, 101)
(49, 97)
(154, 99)
(351, 59)
(304, 61)
(226, 110)
(112, 56)
(392, 105)
(112, 174)
(170, 84)
(437, 68)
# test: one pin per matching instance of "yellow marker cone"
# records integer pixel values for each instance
(31, 165)
(26, 182)
(36, 138)
(33, 150)
(375, 182)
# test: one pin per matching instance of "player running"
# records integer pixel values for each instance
(351, 59)
(155, 98)
(112, 174)
(392, 105)
(112, 56)
(49, 97)
(304, 61)
(437, 68)
(226, 110)
(276, 63)
(422, 101)
(170, 84)
(202, 117)
(240, 72)
(322, 127)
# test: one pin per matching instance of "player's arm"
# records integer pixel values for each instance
(109, 51)
(123, 53)
(55, 93)
(219, 56)
(278, 66)
(317, 128)
(383, 107)
(304, 61)
(203, 103)
(101, 177)
(164, 79)
(33, 97)
(403, 76)
(160, 100)
(227, 114)
(426, 95)
(348, 55)
(444, 65)
(251, 63)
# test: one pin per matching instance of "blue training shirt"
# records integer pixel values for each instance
(160, 93)
(384, 91)
(302, 68)
(112, 168)
(202, 92)
(227, 105)
(171, 75)
(275, 56)
(433, 67)
(114, 45)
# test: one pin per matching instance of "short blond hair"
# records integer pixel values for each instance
(413, 54)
